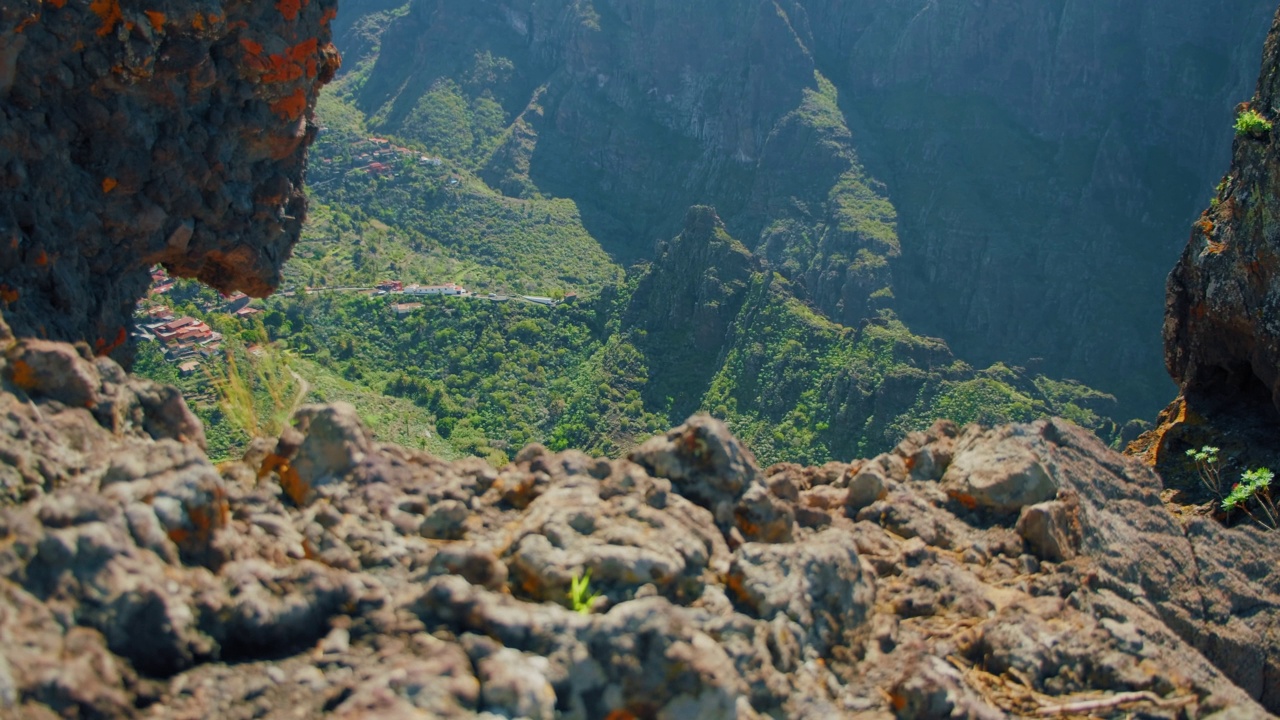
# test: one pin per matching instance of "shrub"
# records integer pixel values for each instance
(1254, 485)
(1206, 459)
(1251, 123)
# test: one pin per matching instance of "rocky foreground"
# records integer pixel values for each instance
(1021, 570)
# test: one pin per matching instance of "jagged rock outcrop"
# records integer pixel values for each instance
(968, 573)
(174, 133)
(1222, 310)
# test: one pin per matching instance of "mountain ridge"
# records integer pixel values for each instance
(633, 134)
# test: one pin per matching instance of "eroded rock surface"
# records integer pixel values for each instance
(969, 573)
(173, 133)
(1222, 314)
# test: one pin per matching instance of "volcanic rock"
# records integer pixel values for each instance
(1222, 315)
(189, 589)
(174, 134)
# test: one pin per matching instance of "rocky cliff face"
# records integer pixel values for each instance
(685, 305)
(1222, 310)
(1222, 322)
(1042, 157)
(174, 134)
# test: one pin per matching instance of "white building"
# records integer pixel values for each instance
(450, 289)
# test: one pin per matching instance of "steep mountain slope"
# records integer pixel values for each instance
(720, 331)
(1040, 156)
(636, 117)
(1043, 157)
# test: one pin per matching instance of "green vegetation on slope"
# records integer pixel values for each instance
(384, 208)
(409, 194)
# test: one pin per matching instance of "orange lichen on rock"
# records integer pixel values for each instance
(27, 22)
(531, 586)
(293, 63)
(109, 184)
(304, 54)
(8, 295)
(251, 47)
(205, 521)
(734, 583)
(157, 19)
(969, 501)
(291, 107)
(42, 258)
(281, 69)
(328, 16)
(298, 490)
(57, 3)
(102, 347)
(109, 12)
(290, 8)
(22, 375)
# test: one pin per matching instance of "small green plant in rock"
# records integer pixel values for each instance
(1206, 459)
(580, 595)
(1254, 485)
(1252, 123)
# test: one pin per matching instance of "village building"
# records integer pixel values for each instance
(402, 309)
(237, 301)
(449, 289)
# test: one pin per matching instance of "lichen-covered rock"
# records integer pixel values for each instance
(819, 585)
(706, 464)
(1052, 529)
(1222, 313)
(74, 416)
(998, 470)
(1221, 329)
(54, 370)
(173, 133)
(134, 573)
(336, 442)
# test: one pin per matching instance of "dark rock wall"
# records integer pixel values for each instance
(1044, 159)
(173, 132)
(1222, 314)
(1222, 323)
